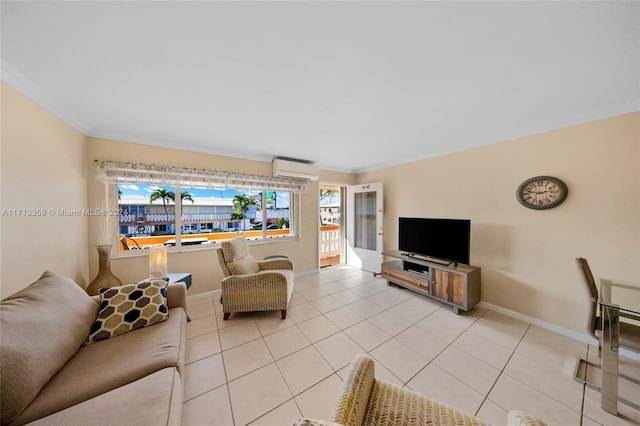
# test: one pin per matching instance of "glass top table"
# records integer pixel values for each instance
(624, 296)
(616, 299)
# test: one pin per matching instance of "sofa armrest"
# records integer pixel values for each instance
(352, 400)
(266, 265)
(177, 295)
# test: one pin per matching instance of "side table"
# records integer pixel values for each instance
(184, 277)
(177, 277)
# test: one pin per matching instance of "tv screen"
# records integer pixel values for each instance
(446, 239)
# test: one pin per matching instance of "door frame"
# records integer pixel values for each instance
(368, 260)
(342, 221)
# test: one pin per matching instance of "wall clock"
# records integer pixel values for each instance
(542, 192)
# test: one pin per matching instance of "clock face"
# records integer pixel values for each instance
(542, 192)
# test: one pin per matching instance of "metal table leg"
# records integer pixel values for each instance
(610, 332)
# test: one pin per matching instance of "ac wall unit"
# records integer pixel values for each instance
(295, 169)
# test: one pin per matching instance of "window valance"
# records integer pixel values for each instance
(118, 172)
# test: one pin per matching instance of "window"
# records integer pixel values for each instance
(213, 205)
(207, 215)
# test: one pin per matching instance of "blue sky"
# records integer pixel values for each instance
(281, 198)
(140, 189)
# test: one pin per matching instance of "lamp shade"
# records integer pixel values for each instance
(157, 262)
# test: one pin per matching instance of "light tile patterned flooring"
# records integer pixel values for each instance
(258, 369)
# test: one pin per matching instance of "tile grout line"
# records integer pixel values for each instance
(501, 373)
(318, 285)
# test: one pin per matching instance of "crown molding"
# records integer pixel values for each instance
(14, 78)
(587, 117)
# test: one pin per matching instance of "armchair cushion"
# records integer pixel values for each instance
(237, 257)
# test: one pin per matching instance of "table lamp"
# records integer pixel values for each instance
(158, 262)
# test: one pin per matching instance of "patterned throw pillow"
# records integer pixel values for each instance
(129, 307)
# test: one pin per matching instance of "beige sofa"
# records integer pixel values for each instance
(49, 376)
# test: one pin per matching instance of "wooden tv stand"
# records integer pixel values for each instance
(457, 285)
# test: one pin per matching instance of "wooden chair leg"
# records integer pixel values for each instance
(226, 315)
(283, 313)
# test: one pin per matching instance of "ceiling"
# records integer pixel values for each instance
(351, 86)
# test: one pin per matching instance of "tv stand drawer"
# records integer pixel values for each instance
(394, 274)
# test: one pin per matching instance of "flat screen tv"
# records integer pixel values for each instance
(445, 239)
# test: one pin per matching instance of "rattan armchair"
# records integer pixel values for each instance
(366, 400)
(251, 285)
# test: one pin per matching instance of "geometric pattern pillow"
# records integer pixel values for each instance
(129, 307)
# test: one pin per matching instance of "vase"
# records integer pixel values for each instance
(105, 277)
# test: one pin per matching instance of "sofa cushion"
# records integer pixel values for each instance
(42, 326)
(129, 307)
(111, 363)
(153, 400)
(237, 257)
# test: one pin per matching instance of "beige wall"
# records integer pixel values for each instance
(43, 167)
(203, 263)
(527, 256)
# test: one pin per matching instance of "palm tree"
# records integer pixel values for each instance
(241, 203)
(327, 193)
(184, 195)
(237, 216)
(164, 195)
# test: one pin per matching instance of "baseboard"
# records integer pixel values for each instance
(581, 337)
(309, 272)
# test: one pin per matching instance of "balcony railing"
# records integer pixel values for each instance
(195, 239)
(190, 217)
(330, 241)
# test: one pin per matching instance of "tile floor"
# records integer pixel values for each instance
(258, 369)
